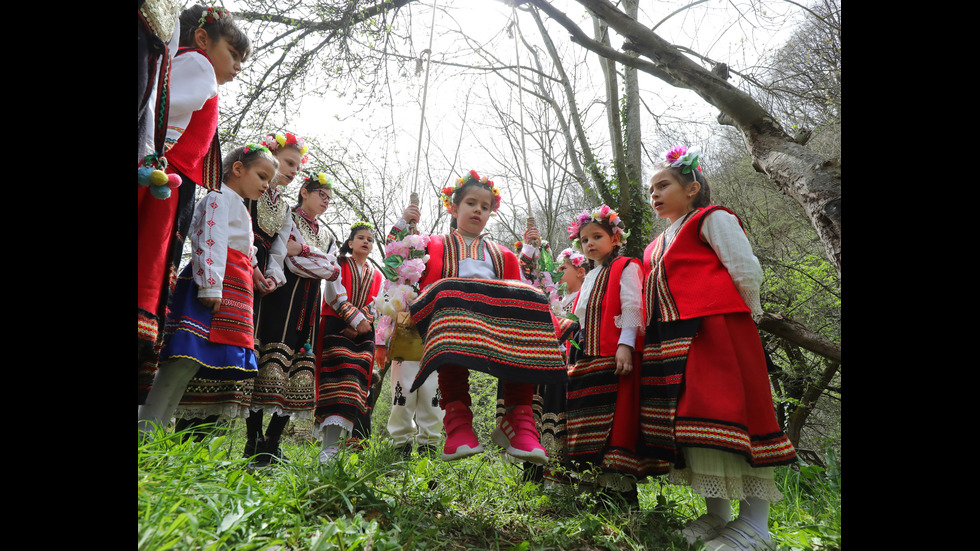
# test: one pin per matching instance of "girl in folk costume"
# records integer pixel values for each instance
(272, 223)
(416, 418)
(474, 313)
(211, 53)
(603, 381)
(286, 382)
(345, 345)
(702, 291)
(208, 400)
(209, 329)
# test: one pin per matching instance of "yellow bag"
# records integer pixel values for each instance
(406, 344)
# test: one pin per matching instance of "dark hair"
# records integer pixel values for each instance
(311, 182)
(460, 193)
(225, 27)
(703, 198)
(606, 227)
(345, 248)
(247, 159)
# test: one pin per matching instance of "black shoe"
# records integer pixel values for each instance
(267, 452)
(406, 451)
(429, 450)
(252, 445)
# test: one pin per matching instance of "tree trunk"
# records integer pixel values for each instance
(811, 179)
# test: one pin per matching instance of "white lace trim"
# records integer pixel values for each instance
(335, 420)
(631, 317)
(714, 473)
(223, 411)
(726, 488)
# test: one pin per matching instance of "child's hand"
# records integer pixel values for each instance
(270, 285)
(293, 248)
(532, 236)
(349, 333)
(624, 359)
(211, 303)
(262, 285)
(363, 327)
(412, 212)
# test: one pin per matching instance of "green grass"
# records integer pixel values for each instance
(200, 495)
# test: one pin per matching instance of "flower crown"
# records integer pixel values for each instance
(212, 14)
(448, 191)
(576, 258)
(362, 225)
(681, 156)
(253, 148)
(319, 178)
(600, 214)
(277, 140)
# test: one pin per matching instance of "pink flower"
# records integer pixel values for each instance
(383, 329)
(397, 248)
(411, 270)
(676, 153)
(418, 242)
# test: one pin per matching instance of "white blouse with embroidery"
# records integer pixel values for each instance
(192, 83)
(312, 263)
(220, 222)
(335, 294)
(631, 302)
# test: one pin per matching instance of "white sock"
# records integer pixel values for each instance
(719, 507)
(755, 512)
(330, 437)
(168, 388)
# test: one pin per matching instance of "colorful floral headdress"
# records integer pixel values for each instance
(252, 148)
(681, 156)
(576, 258)
(319, 178)
(212, 14)
(277, 140)
(362, 225)
(448, 191)
(600, 214)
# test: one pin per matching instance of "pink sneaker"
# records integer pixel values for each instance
(516, 434)
(460, 439)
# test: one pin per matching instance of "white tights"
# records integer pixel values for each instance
(168, 387)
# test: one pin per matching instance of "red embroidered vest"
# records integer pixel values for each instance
(443, 261)
(602, 336)
(689, 281)
(358, 296)
(196, 153)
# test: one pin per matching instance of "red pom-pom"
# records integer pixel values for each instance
(173, 180)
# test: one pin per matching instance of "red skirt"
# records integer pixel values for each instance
(725, 401)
